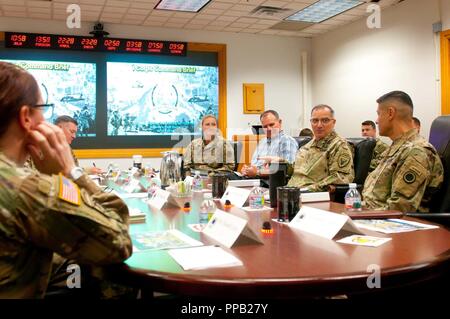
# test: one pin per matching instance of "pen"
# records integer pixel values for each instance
(93, 163)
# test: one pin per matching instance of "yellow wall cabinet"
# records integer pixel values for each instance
(253, 98)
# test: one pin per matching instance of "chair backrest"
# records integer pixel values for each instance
(237, 148)
(302, 140)
(440, 139)
(363, 151)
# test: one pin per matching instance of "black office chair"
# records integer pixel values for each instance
(363, 152)
(440, 203)
(237, 148)
(302, 140)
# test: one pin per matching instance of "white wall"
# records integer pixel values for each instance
(354, 65)
(445, 14)
(274, 61)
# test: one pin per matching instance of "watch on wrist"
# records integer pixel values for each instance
(76, 173)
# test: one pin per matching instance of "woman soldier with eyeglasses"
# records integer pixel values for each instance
(55, 209)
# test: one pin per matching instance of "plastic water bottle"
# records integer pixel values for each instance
(353, 199)
(256, 197)
(207, 209)
(197, 183)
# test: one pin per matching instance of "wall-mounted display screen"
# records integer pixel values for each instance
(159, 99)
(70, 86)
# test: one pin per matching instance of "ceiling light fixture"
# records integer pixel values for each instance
(182, 5)
(323, 10)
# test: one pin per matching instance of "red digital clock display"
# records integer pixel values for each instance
(155, 47)
(64, 42)
(89, 43)
(111, 44)
(43, 41)
(72, 42)
(133, 46)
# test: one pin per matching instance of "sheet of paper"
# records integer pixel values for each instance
(167, 239)
(198, 228)
(263, 209)
(130, 195)
(391, 226)
(203, 257)
(360, 240)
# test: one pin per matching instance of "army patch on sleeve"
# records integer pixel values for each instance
(409, 177)
(343, 160)
(68, 191)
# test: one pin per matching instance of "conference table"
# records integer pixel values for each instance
(289, 264)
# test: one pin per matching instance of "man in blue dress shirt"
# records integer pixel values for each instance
(276, 147)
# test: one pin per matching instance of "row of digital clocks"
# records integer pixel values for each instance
(70, 42)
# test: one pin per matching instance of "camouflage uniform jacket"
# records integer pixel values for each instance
(323, 162)
(217, 155)
(30, 164)
(42, 214)
(401, 179)
(377, 155)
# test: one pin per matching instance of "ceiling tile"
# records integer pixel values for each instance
(220, 23)
(213, 11)
(39, 4)
(213, 28)
(94, 2)
(226, 18)
(275, 3)
(142, 5)
(115, 9)
(207, 16)
(200, 21)
(116, 3)
(219, 5)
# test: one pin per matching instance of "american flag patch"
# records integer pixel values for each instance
(68, 190)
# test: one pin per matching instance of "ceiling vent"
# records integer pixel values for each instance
(267, 12)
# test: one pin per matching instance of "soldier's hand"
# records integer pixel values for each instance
(49, 149)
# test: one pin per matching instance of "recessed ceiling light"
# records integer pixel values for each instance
(182, 5)
(323, 10)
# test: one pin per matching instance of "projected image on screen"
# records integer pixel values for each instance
(159, 99)
(70, 86)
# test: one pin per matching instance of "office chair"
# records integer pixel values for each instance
(363, 152)
(302, 140)
(440, 203)
(237, 148)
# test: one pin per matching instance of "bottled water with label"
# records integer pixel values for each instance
(353, 199)
(256, 197)
(207, 209)
(197, 183)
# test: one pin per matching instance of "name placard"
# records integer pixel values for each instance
(159, 198)
(323, 223)
(229, 229)
(237, 196)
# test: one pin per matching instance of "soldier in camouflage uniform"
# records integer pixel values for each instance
(325, 160)
(410, 168)
(368, 129)
(43, 213)
(211, 152)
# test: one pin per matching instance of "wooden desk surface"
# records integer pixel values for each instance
(290, 263)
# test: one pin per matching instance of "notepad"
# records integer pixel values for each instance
(203, 257)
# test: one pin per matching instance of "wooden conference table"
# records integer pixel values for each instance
(289, 264)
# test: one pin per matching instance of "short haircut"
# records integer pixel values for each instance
(369, 122)
(416, 121)
(399, 96)
(323, 106)
(306, 132)
(208, 116)
(264, 114)
(65, 119)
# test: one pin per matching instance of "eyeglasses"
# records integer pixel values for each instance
(324, 121)
(45, 107)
